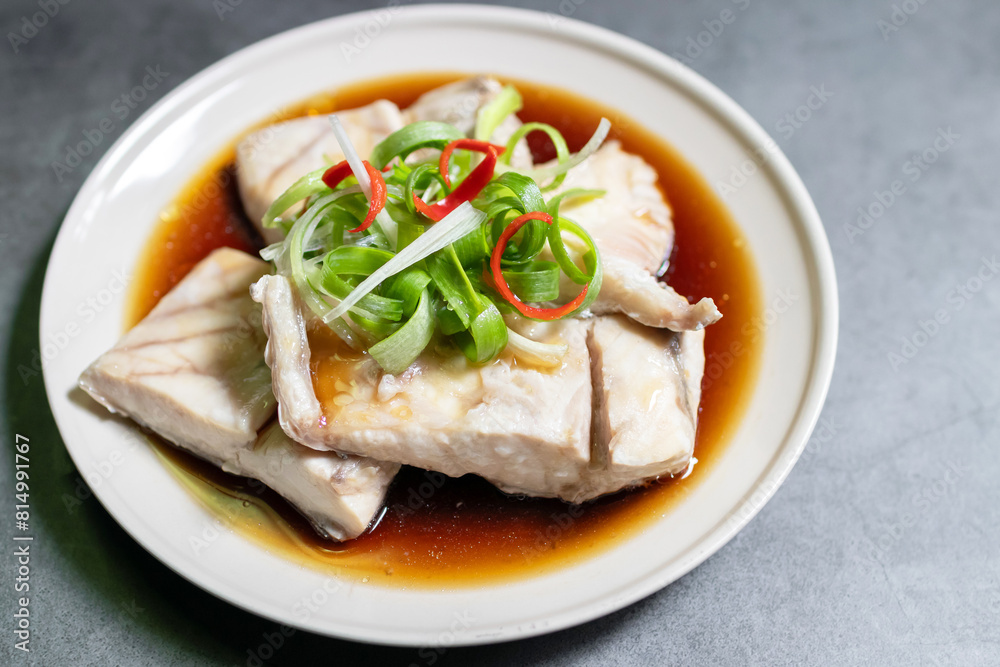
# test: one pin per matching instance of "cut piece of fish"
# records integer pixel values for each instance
(632, 228)
(647, 387)
(459, 103)
(527, 430)
(193, 371)
(273, 158)
(339, 494)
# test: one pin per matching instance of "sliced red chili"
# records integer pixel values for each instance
(467, 144)
(504, 288)
(467, 190)
(338, 172)
(335, 174)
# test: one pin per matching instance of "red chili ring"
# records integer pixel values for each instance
(504, 288)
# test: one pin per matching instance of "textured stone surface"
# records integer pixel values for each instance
(804, 583)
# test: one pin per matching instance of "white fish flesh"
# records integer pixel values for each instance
(632, 228)
(273, 158)
(527, 430)
(459, 103)
(193, 371)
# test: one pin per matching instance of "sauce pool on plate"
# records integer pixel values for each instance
(437, 530)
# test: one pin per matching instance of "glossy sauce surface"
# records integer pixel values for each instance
(438, 531)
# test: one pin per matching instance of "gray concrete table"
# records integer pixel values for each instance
(882, 547)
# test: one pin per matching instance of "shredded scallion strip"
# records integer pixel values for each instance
(542, 174)
(397, 284)
(491, 116)
(452, 227)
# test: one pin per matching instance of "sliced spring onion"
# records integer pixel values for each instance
(355, 261)
(449, 321)
(523, 188)
(307, 186)
(594, 268)
(486, 337)
(542, 174)
(534, 281)
(293, 259)
(386, 224)
(438, 259)
(396, 352)
(452, 282)
(562, 150)
(348, 260)
(407, 287)
(546, 355)
(452, 227)
(528, 198)
(421, 134)
(419, 178)
(489, 117)
(273, 251)
(472, 247)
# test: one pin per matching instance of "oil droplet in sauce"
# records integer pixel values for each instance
(437, 531)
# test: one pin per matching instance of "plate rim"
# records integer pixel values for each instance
(809, 227)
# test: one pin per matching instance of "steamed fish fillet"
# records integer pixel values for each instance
(527, 430)
(340, 495)
(193, 371)
(273, 158)
(647, 387)
(459, 103)
(631, 226)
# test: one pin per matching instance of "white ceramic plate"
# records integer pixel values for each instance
(82, 312)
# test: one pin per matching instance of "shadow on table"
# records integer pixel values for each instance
(134, 589)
